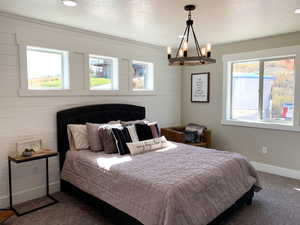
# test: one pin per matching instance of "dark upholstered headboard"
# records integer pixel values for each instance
(93, 114)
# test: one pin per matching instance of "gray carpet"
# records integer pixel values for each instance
(277, 204)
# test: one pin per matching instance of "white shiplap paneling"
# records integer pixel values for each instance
(22, 117)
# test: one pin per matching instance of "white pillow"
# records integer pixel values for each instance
(132, 132)
(148, 145)
(78, 137)
(132, 122)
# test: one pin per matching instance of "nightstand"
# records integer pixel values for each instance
(176, 134)
(43, 154)
(5, 214)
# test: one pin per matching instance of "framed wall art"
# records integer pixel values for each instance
(33, 143)
(200, 87)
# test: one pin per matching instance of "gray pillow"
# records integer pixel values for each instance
(93, 137)
(107, 139)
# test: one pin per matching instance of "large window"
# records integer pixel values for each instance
(47, 69)
(142, 76)
(262, 90)
(103, 73)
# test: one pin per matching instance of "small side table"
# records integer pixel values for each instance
(44, 154)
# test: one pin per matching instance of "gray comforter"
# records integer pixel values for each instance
(181, 185)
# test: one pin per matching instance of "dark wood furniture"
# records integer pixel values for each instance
(176, 134)
(5, 214)
(103, 114)
(44, 154)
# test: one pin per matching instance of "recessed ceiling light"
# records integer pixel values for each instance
(297, 11)
(70, 3)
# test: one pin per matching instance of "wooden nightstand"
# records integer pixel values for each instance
(5, 214)
(44, 154)
(176, 134)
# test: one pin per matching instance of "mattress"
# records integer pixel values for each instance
(178, 185)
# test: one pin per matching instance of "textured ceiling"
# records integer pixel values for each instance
(162, 21)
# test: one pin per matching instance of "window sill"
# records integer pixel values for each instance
(261, 125)
(32, 93)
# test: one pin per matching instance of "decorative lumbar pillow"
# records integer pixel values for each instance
(93, 137)
(122, 137)
(107, 139)
(78, 137)
(148, 145)
(143, 131)
(132, 132)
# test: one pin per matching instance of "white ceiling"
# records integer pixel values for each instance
(162, 21)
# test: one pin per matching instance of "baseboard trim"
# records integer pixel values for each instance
(29, 194)
(280, 171)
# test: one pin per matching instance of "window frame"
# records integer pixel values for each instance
(263, 55)
(64, 70)
(115, 76)
(151, 83)
(76, 89)
(23, 72)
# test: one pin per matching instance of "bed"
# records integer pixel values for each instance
(177, 185)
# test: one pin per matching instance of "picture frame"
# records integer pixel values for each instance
(200, 87)
(32, 143)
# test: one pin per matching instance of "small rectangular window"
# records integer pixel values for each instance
(47, 69)
(103, 73)
(143, 78)
(263, 90)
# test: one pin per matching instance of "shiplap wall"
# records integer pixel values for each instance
(35, 116)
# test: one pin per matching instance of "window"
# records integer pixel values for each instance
(262, 90)
(103, 73)
(142, 76)
(47, 69)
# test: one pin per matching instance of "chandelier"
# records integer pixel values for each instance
(203, 55)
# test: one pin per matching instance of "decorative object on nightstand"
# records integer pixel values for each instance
(28, 152)
(42, 154)
(177, 134)
(31, 143)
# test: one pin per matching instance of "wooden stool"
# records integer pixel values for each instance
(5, 214)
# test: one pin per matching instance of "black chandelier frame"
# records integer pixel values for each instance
(185, 59)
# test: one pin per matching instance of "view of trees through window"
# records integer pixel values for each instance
(280, 104)
(275, 102)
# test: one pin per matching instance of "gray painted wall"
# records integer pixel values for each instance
(283, 146)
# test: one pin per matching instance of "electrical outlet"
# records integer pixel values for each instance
(264, 150)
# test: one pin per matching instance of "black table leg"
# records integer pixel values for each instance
(10, 185)
(47, 185)
(54, 201)
(47, 177)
